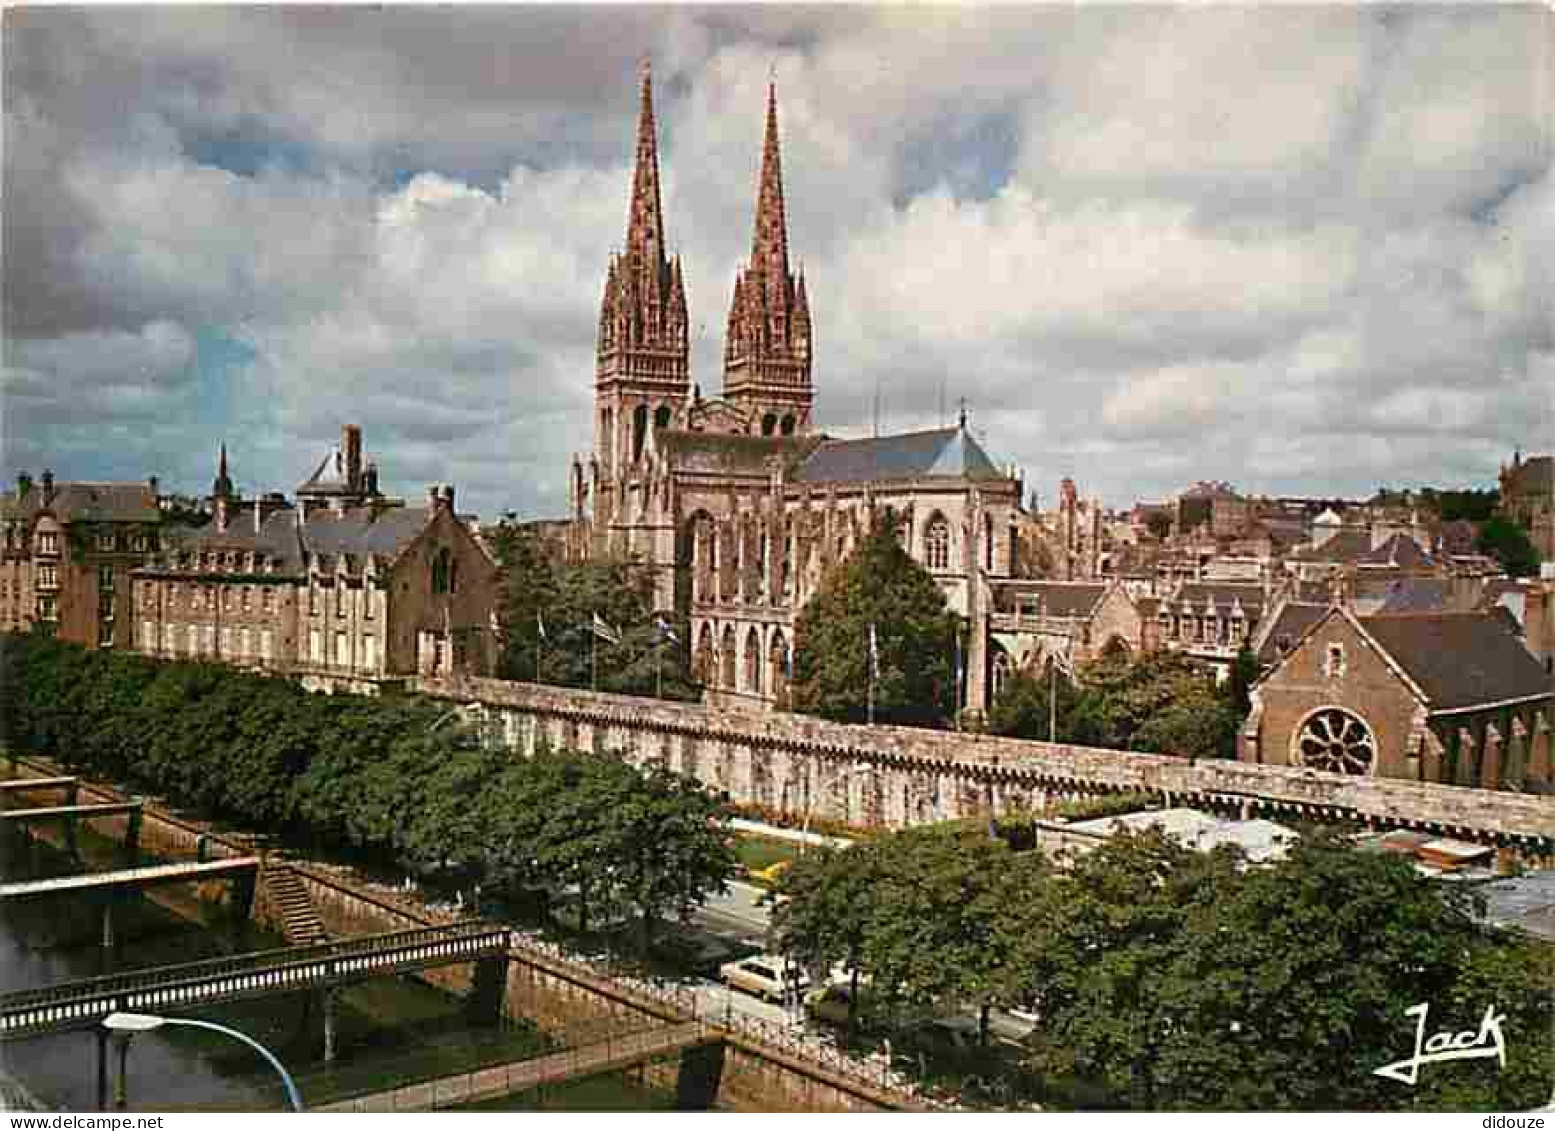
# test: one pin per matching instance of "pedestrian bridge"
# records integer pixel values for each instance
(85, 1003)
(130, 878)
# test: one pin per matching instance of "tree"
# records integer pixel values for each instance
(831, 903)
(1023, 708)
(881, 586)
(1244, 673)
(1508, 543)
(1162, 702)
(567, 596)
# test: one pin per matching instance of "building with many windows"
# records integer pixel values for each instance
(343, 586)
(66, 552)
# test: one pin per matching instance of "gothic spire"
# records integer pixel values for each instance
(645, 224)
(222, 487)
(769, 246)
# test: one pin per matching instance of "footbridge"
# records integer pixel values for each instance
(28, 785)
(133, 879)
(83, 1004)
(498, 1080)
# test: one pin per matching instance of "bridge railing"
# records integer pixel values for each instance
(274, 969)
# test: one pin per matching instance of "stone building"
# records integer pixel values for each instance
(737, 502)
(1070, 622)
(67, 554)
(1451, 698)
(1528, 498)
(344, 586)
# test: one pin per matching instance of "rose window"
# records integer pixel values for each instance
(1336, 741)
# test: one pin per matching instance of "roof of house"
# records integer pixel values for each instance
(1259, 839)
(329, 478)
(1415, 595)
(949, 453)
(359, 531)
(1459, 659)
(1057, 598)
(1222, 595)
(1399, 550)
(1345, 546)
(1289, 623)
(728, 452)
(86, 502)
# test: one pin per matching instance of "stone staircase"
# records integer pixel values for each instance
(300, 923)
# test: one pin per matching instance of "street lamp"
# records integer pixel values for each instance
(131, 1023)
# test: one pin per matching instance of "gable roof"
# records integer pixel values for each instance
(1290, 622)
(949, 453)
(1221, 595)
(1078, 599)
(1399, 550)
(1459, 660)
(86, 502)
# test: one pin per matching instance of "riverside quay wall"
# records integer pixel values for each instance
(892, 777)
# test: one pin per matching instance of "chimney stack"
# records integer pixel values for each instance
(48, 486)
(155, 484)
(448, 497)
(434, 495)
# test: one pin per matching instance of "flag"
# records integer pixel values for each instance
(958, 662)
(603, 630)
(874, 655)
(665, 631)
(540, 623)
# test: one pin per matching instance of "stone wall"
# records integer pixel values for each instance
(895, 776)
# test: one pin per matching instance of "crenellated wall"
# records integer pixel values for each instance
(895, 776)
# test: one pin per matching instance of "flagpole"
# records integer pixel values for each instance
(594, 663)
(658, 670)
(874, 662)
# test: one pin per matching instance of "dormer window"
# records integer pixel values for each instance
(105, 541)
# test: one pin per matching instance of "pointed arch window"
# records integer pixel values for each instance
(936, 543)
(442, 571)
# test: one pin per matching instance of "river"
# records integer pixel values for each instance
(390, 1031)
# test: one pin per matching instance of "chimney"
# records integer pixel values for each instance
(448, 497)
(370, 479)
(351, 448)
(48, 486)
(155, 484)
(434, 495)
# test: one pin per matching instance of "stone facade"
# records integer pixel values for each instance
(893, 777)
(1341, 699)
(736, 502)
(66, 554)
(1528, 498)
(345, 583)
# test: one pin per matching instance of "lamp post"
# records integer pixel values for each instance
(128, 1024)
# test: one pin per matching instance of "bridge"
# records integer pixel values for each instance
(498, 1080)
(68, 812)
(83, 1004)
(26, 785)
(131, 878)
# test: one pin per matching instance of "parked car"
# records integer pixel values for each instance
(830, 1003)
(763, 976)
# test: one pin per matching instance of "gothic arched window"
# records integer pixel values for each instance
(726, 659)
(753, 662)
(936, 543)
(1335, 740)
(769, 424)
(639, 431)
(661, 418)
(788, 425)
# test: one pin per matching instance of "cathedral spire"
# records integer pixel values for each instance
(767, 354)
(769, 245)
(645, 223)
(222, 487)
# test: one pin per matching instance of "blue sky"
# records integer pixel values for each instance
(1304, 249)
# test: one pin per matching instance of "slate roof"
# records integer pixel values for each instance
(1346, 546)
(329, 478)
(944, 453)
(357, 532)
(1399, 550)
(1290, 622)
(1459, 659)
(86, 502)
(1058, 598)
(1416, 595)
(1220, 594)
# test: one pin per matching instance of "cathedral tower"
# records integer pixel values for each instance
(767, 351)
(642, 374)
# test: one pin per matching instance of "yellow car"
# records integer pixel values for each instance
(772, 873)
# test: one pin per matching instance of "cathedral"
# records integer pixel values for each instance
(737, 501)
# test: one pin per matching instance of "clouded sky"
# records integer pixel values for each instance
(1303, 249)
